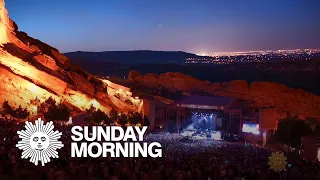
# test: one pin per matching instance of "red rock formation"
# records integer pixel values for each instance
(285, 99)
(6, 26)
(171, 81)
(30, 68)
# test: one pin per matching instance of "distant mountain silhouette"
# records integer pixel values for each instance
(130, 57)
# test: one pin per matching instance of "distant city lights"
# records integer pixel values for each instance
(254, 56)
(203, 54)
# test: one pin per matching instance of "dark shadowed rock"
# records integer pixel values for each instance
(293, 101)
(133, 75)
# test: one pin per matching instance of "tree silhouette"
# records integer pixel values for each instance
(52, 112)
(113, 115)
(50, 101)
(135, 118)
(123, 119)
(21, 113)
(99, 116)
(7, 109)
(91, 109)
(290, 130)
(146, 121)
(43, 108)
(107, 120)
(36, 102)
(63, 111)
(18, 113)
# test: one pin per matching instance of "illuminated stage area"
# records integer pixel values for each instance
(203, 121)
(207, 117)
(216, 117)
(202, 125)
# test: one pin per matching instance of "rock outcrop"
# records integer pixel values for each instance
(31, 69)
(173, 81)
(6, 25)
(285, 99)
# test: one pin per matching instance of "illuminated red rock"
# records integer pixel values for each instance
(151, 80)
(166, 80)
(6, 26)
(31, 69)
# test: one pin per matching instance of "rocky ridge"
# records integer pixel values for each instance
(264, 94)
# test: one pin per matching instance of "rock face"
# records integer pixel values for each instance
(171, 81)
(6, 25)
(285, 99)
(31, 69)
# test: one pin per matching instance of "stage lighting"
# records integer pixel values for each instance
(216, 135)
(251, 128)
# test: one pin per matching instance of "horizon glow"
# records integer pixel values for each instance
(191, 26)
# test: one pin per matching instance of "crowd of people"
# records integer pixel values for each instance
(190, 160)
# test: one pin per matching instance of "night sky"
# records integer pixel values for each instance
(197, 26)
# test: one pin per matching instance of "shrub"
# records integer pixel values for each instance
(135, 118)
(7, 109)
(98, 116)
(146, 121)
(18, 113)
(57, 112)
(123, 119)
(290, 130)
(21, 113)
(53, 111)
(113, 115)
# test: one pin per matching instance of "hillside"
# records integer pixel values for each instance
(130, 57)
(303, 75)
(297, 74)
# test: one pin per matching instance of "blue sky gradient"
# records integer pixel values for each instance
(197, 26)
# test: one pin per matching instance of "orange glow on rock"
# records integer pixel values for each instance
(33, 88)
(22, 81)
(25, 91)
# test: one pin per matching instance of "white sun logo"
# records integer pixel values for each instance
(39, 142)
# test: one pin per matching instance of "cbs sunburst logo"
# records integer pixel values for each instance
(39, 142)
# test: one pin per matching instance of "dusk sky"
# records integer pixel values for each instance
(197, 26)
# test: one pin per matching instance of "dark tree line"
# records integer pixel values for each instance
(49, 109)
(133, 118)
(53, 111)
(18, 113)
